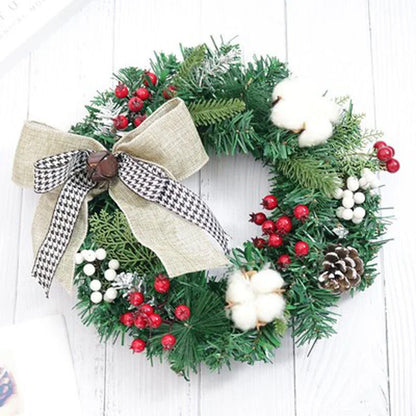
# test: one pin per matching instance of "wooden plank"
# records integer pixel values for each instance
(66, 70)
(329, 42)
(234, 187)
(394, 34)
(13, 110)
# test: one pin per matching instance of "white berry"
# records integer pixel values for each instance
(110, 274)
(359, 197)
(114, 264)
(338, 194)
(347, 194)
(347, 202)
(374, 183)
(359, 212)
(357, 220)
(96, 297)
(89, 255)
(89, 269)
(107, 299)
(347, 214)
(363, 183)
(101, 254)
(111, 293)
(79, 258)
(95, 285)
(352, 183)
(340, 211)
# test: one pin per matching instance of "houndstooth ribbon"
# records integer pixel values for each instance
(145, 179)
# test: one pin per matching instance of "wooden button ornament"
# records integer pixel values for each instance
(102, 166)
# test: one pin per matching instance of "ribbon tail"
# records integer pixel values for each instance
(60, 229)
(152, 183)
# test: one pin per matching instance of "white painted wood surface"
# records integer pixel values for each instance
(361, 48)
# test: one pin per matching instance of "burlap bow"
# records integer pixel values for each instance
(163, 214)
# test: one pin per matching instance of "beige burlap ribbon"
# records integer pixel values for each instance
(167, 139)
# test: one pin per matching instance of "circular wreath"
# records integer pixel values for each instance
(318, 235)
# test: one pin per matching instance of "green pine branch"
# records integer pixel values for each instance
(192, 60)
(206, 112)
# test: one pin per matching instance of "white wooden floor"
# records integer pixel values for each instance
(362, 48)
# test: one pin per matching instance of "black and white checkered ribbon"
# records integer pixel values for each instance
(145, 179)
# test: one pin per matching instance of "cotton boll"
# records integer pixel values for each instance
(239, 289)
(347, 202)
(317, 130)
(340, 212)
(359, 197)
(269, 307)
(359, 212)
(347, 214)
(292, 88)
(266, 281)
(352, 183)
(288, 115)
(244, 316)
(328, 108)
(338, 194)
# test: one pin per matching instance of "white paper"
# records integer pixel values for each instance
(38, 358)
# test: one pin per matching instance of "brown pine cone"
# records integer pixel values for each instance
(343, 269)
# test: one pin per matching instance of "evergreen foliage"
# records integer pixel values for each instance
(230, 103)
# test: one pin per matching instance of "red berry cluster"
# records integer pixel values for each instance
(138, 99)
(144, 315)
(277, 230)
(385, 155)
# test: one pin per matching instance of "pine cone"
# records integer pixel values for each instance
(343, 269)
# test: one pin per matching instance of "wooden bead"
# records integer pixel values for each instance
(102, 166)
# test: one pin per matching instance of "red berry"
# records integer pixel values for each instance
(301, 212)
(182, 312)
(138, 345)
(169, 92)
(392, 150)
(140, 321)
(268, 227)
(259, 242)
(139, 119)
(275, 240)
(121, 91)
(284, 260)
(149, 76)
(378, 145)
(127, 319)
(168, 341)
(135, 104)
(155, 320)
(284, 225)
(258, 218)
(136, 298)
(162, 283)
(269, 202)
(143, 93)
(120, 122)
(393, 165)
(301, 248)
(146, 309)
(385, 154)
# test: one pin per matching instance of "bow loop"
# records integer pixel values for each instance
(53, 171)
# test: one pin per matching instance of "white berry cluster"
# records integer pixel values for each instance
(99, 289)
(255, 299)
(352, 196)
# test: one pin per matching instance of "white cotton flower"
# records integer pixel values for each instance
(244, 316)
(300, 106)
(269, 307)
(238, 290)
(266, 281)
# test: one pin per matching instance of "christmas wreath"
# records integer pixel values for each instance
(319, 232)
